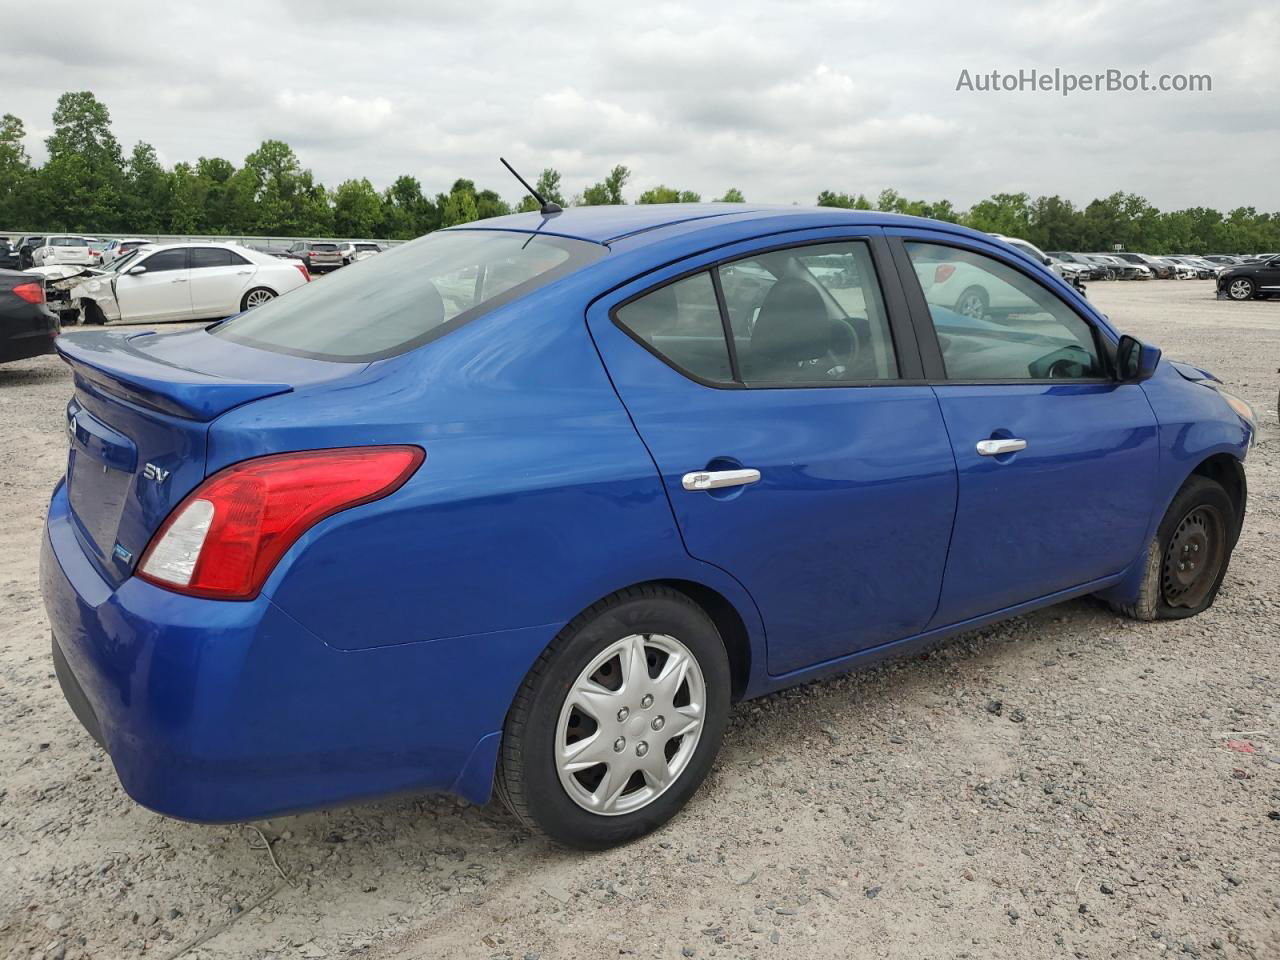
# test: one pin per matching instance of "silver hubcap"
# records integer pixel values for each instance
(259, 297)
(1240, 289)
(971, 306)
(630, 724)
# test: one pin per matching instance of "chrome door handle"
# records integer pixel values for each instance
(179, 280)
(993, 448)
(715, 479)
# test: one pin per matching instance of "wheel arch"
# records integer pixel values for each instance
(728, 622)
(1228, 472)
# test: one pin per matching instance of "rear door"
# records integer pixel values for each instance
(219, 278)
(161, 292)
(1057, 461)
(777, 386)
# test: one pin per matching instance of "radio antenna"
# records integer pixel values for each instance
(546, 207)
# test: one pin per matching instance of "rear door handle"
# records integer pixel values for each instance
(179, 280)
(715, 479)
(993, 448)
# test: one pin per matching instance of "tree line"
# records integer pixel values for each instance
(87, 184)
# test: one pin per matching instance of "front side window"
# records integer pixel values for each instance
(410, 295)
(166, 260)
(995, 323)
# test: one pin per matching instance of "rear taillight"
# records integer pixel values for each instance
(943, 273)
(302, 269)
(30, 292)
(226, 537)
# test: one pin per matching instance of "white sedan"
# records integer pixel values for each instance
(182, 281)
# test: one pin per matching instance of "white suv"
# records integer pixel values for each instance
(64, 250)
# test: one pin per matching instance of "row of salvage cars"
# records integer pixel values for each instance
(154, 283)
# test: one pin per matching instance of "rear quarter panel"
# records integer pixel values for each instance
(536, 497)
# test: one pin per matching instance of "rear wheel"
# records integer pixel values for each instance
(973, 303)
(1240, 289)
(618, 722)
(1187, 560)
(256, 298)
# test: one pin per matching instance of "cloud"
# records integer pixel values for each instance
(780, 100)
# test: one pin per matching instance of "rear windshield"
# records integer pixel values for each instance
(324, 246)
(389, 304)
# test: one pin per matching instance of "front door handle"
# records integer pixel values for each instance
(993, 448)
(179, 280)
(715, 479)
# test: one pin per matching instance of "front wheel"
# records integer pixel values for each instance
(1240, 289)
(1188, 558)
(618, 722)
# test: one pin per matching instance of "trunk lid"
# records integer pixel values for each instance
(139, 420)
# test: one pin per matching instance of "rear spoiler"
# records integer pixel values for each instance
(119, 365)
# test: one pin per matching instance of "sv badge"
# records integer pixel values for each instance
(152, 472)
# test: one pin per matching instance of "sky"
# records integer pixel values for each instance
(779, 99)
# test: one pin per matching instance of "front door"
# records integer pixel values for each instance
(796, 452)
(161, 292)
(1057, 460)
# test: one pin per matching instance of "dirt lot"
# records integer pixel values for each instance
(1057, 786)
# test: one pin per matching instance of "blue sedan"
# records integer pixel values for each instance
(524, 506)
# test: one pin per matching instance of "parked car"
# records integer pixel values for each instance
(26, 251)
(366, 539)
(1201, 268)
(180, 281)
(1093, 271)
(27, 326)
(360, 250)
(8, 254)
(63, 249)
(118, 248)
(1160, 269)
(1181, 271)
(1117, 269)
(1248, 280)
(1223, 259)
(319, 256)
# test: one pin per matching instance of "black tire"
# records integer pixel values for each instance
(1199, 530)
(93, 314)
(256, 291)
(1241, 288)
(972, 298)
(528, 781)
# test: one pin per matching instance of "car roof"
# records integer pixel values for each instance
(609, 224)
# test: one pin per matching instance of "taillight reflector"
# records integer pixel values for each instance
(943, 273)
(227, 536)
(302, 268)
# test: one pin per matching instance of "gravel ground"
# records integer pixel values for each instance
(1058, 785)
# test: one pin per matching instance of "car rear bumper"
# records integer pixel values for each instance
(219, 711)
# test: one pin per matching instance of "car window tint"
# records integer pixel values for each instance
(681, 323)
(202, 257)
(166, 260)
(995, 323)
(809, 314)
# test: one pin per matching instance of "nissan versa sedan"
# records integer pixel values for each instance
(523, 507)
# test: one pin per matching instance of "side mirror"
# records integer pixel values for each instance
(1136, 361)
(135, 271)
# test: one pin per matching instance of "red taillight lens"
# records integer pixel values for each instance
(943, 273)
(302, 268)
(30, 292)
(226, 537)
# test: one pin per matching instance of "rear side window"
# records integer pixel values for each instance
(409, 295)
(214, 257)
(681, 323)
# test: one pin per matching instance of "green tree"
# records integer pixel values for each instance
(607, 192)
(287, 198)
(406, 213)
(661, 194)
(147, 188)
(81, 185)
(828, 198)
(1006, 213)
(15, 173)
(357, 209)
(732, 195)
